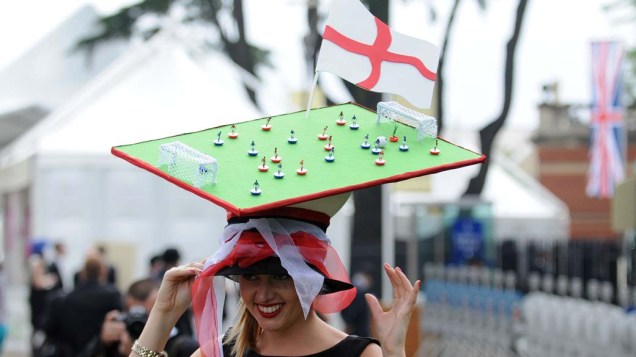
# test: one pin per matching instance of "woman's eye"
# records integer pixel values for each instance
(249, 277)
(281, 277)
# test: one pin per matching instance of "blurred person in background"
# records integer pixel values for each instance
(171, 258)
(44, 285)
(75, 318)
(120, 329)
(356, 316)
(155, 266)
(108, 273)
(111, 271)
(57, 265)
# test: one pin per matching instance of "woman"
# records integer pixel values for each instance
(279, 305)
(275, 244)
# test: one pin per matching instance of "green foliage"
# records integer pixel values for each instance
(123, 25)
(120, 25)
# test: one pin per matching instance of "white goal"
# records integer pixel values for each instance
(425, 125)
(188, 164)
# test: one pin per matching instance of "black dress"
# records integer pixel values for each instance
(350, 346)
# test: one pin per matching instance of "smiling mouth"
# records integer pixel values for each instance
(269, 310)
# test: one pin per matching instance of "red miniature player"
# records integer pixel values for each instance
(341, 121)
(267, 127)
(324, 135)
(276, 159)
(263, 167)
(328, 147)
(302, 171)
(380, 160)
(232, 134)
(393, 138)
(435, 150)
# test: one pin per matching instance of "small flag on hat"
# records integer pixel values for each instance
(363, 50)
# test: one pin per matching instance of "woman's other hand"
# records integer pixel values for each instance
(391, 325)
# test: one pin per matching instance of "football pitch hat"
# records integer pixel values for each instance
(278, 161)
(281, 179)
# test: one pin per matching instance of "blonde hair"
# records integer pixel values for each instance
(244, 335)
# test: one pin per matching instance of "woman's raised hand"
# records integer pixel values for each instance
(172, 301)
(391, 325)
(174, 293)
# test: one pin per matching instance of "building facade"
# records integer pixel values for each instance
(562, 144)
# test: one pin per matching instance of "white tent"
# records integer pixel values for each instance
(521, 208)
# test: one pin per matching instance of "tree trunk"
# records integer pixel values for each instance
(488, 134)
(440, 67)
(239, 51)
(312, 38)
(366, 242)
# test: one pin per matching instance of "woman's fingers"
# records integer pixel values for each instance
(403, 290)
(390, 272)
(403, 280)
(184, 271)
(374, 306)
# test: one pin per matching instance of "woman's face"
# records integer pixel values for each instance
(272, 300)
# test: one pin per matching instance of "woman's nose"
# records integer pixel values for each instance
(265, 289)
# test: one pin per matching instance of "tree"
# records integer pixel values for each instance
(368, 203)
(367, 218)
(231, 38)
(442, 60)
(488, 133)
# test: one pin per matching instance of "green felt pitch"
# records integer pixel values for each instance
(352, 168)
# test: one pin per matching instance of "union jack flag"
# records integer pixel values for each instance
(606, 137)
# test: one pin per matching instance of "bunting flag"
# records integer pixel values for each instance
(363, 50)
(606, 137)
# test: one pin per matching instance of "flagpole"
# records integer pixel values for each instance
(311, 94)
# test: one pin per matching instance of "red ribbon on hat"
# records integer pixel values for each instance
(249, 249)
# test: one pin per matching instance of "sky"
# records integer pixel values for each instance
(554, 46)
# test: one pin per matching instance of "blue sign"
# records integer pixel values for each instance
(467, 238)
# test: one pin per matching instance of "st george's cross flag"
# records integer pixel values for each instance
(606, 168)
(363, 50)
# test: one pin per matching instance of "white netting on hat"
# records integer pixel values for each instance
(424, 124)
(277, 233)
(188, 164)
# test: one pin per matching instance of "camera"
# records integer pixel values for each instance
(135, 320)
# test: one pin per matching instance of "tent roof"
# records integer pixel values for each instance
(50, 72)
(156, 89)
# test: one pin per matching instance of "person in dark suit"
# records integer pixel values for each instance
(45, 284)
(75, 318)
(357, 315)
(111, 271)
(108, 274)
(120, 329)
(56, 266)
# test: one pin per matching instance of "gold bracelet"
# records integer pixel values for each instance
(142, 351)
